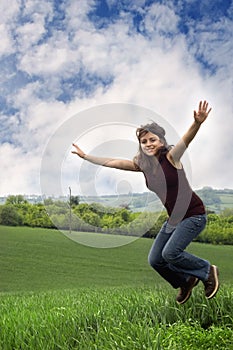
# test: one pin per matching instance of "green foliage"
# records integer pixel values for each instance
(18, 199)
(99, 218)
(91, 218)
(74, 200)
(10, 216)
(37, 217)
(219, 230)
(104, 218)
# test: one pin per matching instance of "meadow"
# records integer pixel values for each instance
(58, 294)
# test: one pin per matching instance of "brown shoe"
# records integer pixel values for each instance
(212, 283)
(186, 290)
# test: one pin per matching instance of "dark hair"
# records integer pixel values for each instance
(143, 161)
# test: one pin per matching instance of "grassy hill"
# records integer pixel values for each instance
(215, 200)
(40, 259)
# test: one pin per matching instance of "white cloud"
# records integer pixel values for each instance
(5, 40)
(44, 60)
(9, 11)
(76, 14)
(161, 19)
(21, 173)
(33, 7)
(8, 19)
(30, 33)
(214, 44)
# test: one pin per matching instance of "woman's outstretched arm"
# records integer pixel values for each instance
(122, 164)
(199, 117)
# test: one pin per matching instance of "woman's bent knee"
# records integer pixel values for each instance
(150, 260)
(154, 262)
(170, 256)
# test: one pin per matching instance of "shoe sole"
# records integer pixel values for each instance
(216, 274)
(189, 294)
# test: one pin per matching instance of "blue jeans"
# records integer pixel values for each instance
(167, 255)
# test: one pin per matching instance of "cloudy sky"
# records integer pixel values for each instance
(90, 71)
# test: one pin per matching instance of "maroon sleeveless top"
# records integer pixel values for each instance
(172, 187)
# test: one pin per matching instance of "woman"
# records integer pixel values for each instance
(164, 175)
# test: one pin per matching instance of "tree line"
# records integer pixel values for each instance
(73, 215)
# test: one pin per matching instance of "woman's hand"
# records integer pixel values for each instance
(202, 113)
(175, 154)
(78, 151)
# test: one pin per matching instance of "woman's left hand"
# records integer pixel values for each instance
(202, 113)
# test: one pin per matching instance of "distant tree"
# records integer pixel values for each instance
(81, 209)
(213, 218)
(97, 208)
(18, 199)
(74, 200)
(91, 219)
(125, 214)
(9, 216)
(37, 216)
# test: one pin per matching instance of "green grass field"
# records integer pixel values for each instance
(41, 260)
(58, 294)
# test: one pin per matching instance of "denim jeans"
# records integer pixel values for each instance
(167, 255)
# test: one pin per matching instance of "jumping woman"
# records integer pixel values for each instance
(165, 176)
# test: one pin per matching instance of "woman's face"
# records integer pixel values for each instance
(150, 144)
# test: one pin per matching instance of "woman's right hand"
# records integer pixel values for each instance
(78, 151)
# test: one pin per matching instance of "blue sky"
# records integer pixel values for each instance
(59, 58)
